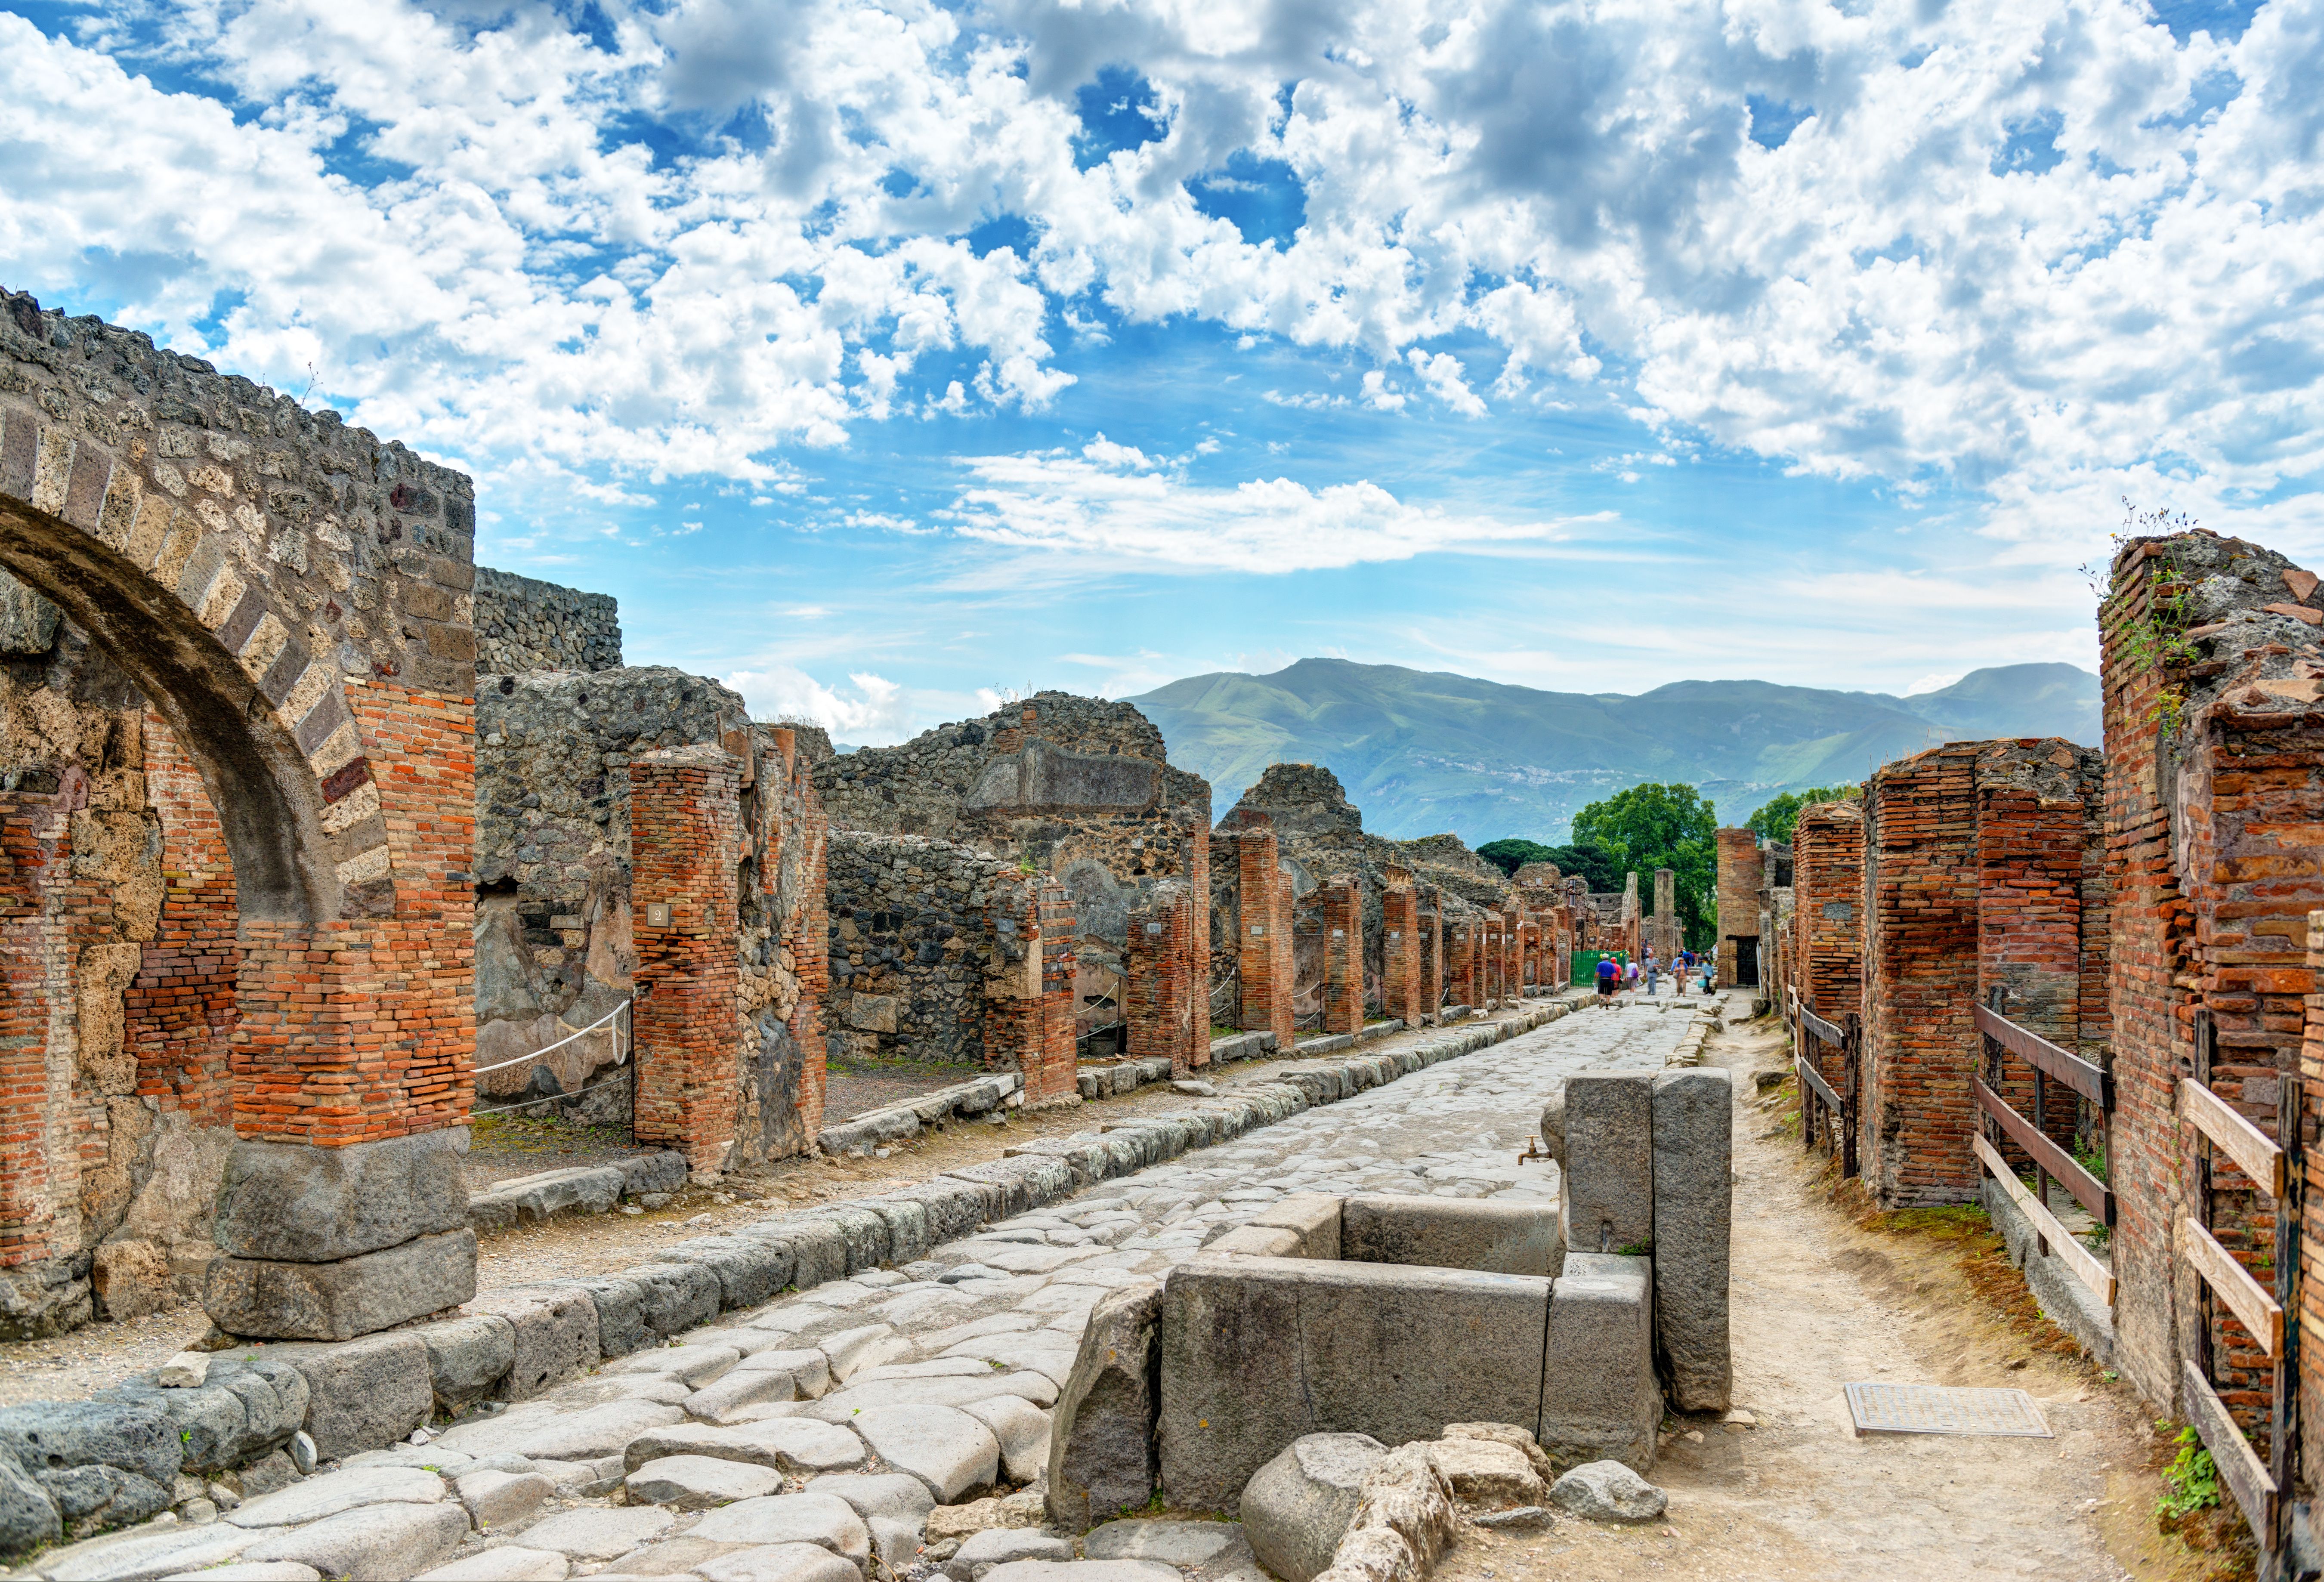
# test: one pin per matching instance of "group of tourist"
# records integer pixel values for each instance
(1615, 974)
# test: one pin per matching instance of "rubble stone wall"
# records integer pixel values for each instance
(523, 624)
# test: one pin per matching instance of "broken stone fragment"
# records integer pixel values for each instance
(185, 1371)
(1607, 1491)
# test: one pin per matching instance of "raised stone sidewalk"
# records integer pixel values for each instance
(811, 1431)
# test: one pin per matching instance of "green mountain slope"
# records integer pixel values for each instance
(1423, 751)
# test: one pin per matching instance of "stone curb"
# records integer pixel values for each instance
(863, 1133)
(585, 1189)
(521, 1341)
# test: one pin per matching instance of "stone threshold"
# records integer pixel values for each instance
(516, 1343)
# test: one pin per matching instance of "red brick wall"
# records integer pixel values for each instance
(1264, 947)
(1400, 952)
(1461, 958)
(29, 830)
(360, 1028)
(1828, 891)
(1050, 1070)
(685, 848)
(180, 1010)
(1343, 957)
(1162, 999)
(1920, 977)
(1740, 871)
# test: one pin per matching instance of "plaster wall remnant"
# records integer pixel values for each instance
(523, 625)
(292, 601)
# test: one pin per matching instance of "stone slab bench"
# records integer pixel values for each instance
(515, 1343)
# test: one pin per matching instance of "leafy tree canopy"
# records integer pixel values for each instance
(1781, 815)
(1588, 862)
(1509, 853)
(1653, 826)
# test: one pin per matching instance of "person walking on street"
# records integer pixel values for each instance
(1653, 969)
(1606, 971)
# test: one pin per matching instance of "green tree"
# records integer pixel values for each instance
(1654, 826)
(1781, 815)
(1510, 853)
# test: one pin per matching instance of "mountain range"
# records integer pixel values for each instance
(1423, 751)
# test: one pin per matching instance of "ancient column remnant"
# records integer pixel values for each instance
(1343, 957)
(1740, 872)
(1400, 947)
(1165, 999)
(1264, 944)
(685, 840)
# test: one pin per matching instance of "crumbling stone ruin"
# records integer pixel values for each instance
(523, 626)
(235, 904)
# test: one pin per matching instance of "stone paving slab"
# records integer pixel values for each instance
(1452, 1128)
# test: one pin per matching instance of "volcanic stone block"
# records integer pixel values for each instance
(1297, 1507)
(1315, 1217)
(369, 1393)
(298, 1204)
(1101, 1437)
(339, 1301)
(1694, 1211)
(1258, 1352)
(1451, 1233)
(1598, 1400)
(555, 1333)
(1609, 1198)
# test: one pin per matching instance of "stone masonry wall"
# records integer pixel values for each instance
(523, 625)
(921, 931)
(553, 933)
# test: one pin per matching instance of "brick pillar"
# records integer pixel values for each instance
(2030, 851)
(684, 851)
(1921, 1045)
(1432, 960)
(30, 824)
(1264, 949)
(1740, 867)
(1827, 887)
(1194, 855)
(1162, 1000)
(1050, 1072)
(1343, 957)
(1400, 952)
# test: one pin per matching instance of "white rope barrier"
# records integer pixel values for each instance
(535, 1056)
(552, 1098)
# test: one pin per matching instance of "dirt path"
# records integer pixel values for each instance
(1819, 1303)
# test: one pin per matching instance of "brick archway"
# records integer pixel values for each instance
(292, 597)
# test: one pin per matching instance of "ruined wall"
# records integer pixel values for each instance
(1828, 884)
(1079, 787)
(2212, 671)
(925, 935)
(1741, 872)
(523, 625)
(1974, 867)
(555, 950)
(292, 600)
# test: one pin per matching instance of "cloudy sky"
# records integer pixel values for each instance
(878, 354)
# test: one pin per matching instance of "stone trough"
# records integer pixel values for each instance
(1391, 1317)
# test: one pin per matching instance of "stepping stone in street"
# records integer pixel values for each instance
(510, 1564)
(699, 1483)
(788, 1444)
(979, 1553)
(808, 1518)
(942, 1447)
(376, 1540)
(599, 1532)
(779, 1562)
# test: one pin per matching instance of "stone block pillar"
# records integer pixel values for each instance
(685, 847)
(1343, 957)
(1667, 931)
(1162, 1000)
(1400, 950)
(1263, 950)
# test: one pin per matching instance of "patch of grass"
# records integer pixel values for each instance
(2191, 1482)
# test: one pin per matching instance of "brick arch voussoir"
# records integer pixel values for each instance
(174, 587)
